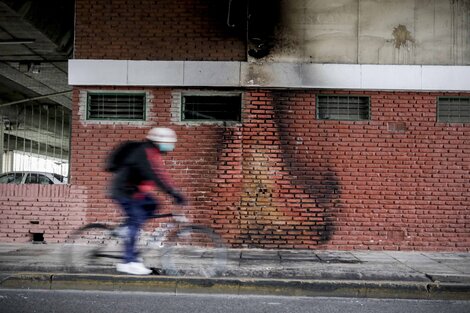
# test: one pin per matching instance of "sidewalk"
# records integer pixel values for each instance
(384, 274)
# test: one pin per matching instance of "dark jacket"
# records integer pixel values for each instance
(142, 166)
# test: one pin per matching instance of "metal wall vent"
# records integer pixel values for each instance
(108, 106)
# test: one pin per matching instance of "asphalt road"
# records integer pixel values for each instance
(48, 301)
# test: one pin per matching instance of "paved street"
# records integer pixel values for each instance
(18, 301)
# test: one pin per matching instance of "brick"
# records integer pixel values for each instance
(173, 30)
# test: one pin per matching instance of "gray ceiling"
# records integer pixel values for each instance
(36, 40)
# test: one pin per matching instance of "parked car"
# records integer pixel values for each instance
(29, 177)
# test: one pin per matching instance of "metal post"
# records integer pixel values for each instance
(2, 139)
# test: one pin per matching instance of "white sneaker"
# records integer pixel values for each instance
(133, 268)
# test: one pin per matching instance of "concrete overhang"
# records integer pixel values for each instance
(85, 72)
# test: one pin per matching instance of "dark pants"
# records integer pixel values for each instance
(138, 212)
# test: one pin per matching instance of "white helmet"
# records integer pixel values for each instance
(161, 134)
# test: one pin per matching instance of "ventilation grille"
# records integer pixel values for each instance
(116, 106)
(211, 108)
(349, 108)
(453, 110)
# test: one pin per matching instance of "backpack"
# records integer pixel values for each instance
(116, 158)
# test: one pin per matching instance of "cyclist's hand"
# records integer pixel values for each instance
(179, 199)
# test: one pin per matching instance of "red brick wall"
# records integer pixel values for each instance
(157, 30)
(52, 210)
(283, 179)
(382, 186)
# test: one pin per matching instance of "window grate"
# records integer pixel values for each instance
(211, 107)
(348, 108)
(453, 109)
(104, 106)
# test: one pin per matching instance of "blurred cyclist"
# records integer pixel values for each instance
(138, 169)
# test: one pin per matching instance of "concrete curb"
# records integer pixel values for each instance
(239, 286)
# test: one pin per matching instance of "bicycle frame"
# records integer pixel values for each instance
(178, 236)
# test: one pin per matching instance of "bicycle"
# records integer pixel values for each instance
(175, 249)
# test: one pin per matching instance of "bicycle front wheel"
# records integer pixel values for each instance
(91, 248)
(194, 251)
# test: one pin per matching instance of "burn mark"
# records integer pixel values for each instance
(319, 182)
(289, 198)
(263, 18)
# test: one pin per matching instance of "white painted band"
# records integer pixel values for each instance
(84, 72)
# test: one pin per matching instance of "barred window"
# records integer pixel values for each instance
(116, 106)
(211, 107)
(453, 109)
(347, 108)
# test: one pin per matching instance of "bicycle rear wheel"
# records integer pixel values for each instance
(194, 251)
(91, 248)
